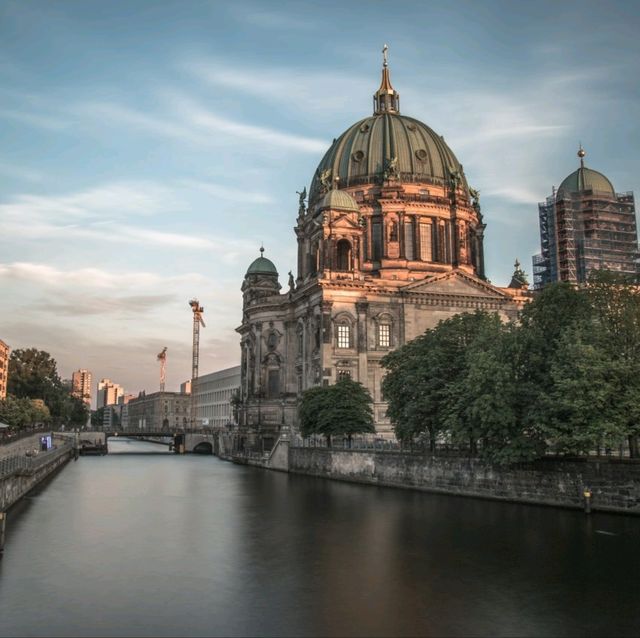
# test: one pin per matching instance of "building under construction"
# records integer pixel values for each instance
(585, 225)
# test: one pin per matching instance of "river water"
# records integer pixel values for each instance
(145, 543)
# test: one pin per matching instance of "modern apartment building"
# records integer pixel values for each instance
(81, 385)
(108, 393)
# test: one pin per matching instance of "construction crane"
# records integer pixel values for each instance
(162, 358)
(197, 322)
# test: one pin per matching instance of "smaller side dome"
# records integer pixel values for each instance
(262, 266)
(338, 200)
(586, 179)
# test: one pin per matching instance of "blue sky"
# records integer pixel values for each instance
(148, 148)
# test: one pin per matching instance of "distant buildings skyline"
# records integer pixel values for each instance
(108, 393)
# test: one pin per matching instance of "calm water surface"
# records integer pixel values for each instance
(161, 545)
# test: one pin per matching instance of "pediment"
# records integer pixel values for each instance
(345, 222)
(456, 282)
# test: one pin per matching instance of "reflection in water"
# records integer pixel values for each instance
(164, 545)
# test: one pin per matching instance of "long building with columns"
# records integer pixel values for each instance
(390, 242)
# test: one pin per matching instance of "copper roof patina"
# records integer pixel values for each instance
(261, 266)
(362, 153)
(586, 179)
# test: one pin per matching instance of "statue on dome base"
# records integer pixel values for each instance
(391, 169)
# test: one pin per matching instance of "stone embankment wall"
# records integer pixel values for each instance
(615, 485)
(19, 474)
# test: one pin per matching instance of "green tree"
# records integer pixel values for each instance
(615, 300)
(348, 410)
(33, 374)
(543, 322)
(97, 417)
(22, 412)
(343, 409)
(314, 402)
(425, 384)
(582, 407)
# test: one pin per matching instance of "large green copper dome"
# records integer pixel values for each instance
(386, 141)
(360, 154)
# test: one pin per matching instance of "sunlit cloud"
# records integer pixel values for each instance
(50, 276)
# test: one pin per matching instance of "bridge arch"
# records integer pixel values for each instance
(204, 447)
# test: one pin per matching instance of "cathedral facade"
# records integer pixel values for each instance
(390, 242)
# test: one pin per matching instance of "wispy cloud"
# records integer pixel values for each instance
(71, 305)
(294, 89)
(38, 120)
(206, 120)
(53, 277)
(163, 126)
(225, 192)
(114, 199)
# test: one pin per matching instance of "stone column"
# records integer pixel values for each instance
(362, 346)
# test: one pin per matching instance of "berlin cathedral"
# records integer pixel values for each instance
(390, 242)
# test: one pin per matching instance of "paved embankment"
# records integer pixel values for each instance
(20, 473)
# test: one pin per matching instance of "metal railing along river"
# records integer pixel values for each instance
(13, 465)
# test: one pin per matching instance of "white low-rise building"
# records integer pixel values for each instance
(214, 392)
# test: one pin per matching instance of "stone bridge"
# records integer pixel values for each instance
(196, 441)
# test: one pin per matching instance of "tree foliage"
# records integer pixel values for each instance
(23, 412)
(343, 409)
(565, 377)
(33, 374)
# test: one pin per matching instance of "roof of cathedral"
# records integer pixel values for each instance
(338, 200)
(367, 148)
(262, 266)
(586, 179)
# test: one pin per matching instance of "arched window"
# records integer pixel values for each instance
(384, 330)
(344, 335)
(343, 325)
(343, 255)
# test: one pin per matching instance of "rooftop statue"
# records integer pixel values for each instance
(301, 205)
